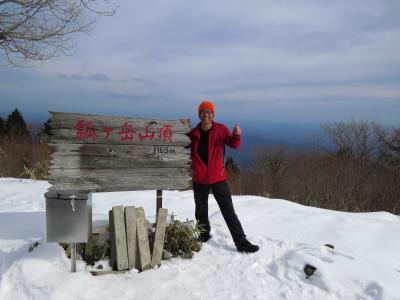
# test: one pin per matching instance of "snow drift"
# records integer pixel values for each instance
(365, 263)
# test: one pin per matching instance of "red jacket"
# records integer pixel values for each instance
(218, 137)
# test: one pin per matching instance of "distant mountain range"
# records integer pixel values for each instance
(298, 135)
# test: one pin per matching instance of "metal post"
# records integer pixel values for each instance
(159, 201)
(73, 257)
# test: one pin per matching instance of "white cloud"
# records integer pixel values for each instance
(237, 50)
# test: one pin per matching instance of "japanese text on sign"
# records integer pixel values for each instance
(86, 130)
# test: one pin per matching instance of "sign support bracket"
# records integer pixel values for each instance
(159, 201)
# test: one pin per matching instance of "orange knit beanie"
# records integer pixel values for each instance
(206, 104)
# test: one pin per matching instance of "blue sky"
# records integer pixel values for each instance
(259, 61)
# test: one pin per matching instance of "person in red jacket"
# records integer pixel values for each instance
(208, 140)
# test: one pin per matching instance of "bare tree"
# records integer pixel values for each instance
(37, 30)
(390, 147)
(272, 163)
(392, 141)
(233, 173)
(356, 139)
(360, 171)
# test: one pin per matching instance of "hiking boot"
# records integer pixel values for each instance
(204, 237)
(246, 246)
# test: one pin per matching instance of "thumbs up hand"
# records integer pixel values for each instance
(237, 130)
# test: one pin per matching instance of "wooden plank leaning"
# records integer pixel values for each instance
(121, 251)
(143, 241)
(159, 237)
(131, 240)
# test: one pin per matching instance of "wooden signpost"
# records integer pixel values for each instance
(104, 154)
(109, 153)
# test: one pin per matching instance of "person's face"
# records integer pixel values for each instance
(206, 116)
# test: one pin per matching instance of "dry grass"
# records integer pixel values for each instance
(24, 159)
(360, 172)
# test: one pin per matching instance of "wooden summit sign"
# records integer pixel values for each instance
(105, 153)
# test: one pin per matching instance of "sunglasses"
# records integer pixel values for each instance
(206, 112)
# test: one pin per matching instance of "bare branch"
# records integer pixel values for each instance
(37, 30)
(104, 13)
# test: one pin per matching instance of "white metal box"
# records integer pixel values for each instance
(68, 217)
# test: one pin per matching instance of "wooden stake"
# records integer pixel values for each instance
(131, 240)
(143, 240)
(159, 237)
(121, 251)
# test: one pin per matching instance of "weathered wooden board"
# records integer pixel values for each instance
(68, 120)
(108, 180)
(143, 240)
(131, 235)
(78, 128)
(106, 153)
(164, 151)
(119, 232)
(80, 156)
(159, 237)
(69, 135)
(76, 162)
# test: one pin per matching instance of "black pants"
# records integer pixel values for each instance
(223, 196)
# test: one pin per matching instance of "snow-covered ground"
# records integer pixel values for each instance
(365, 263)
